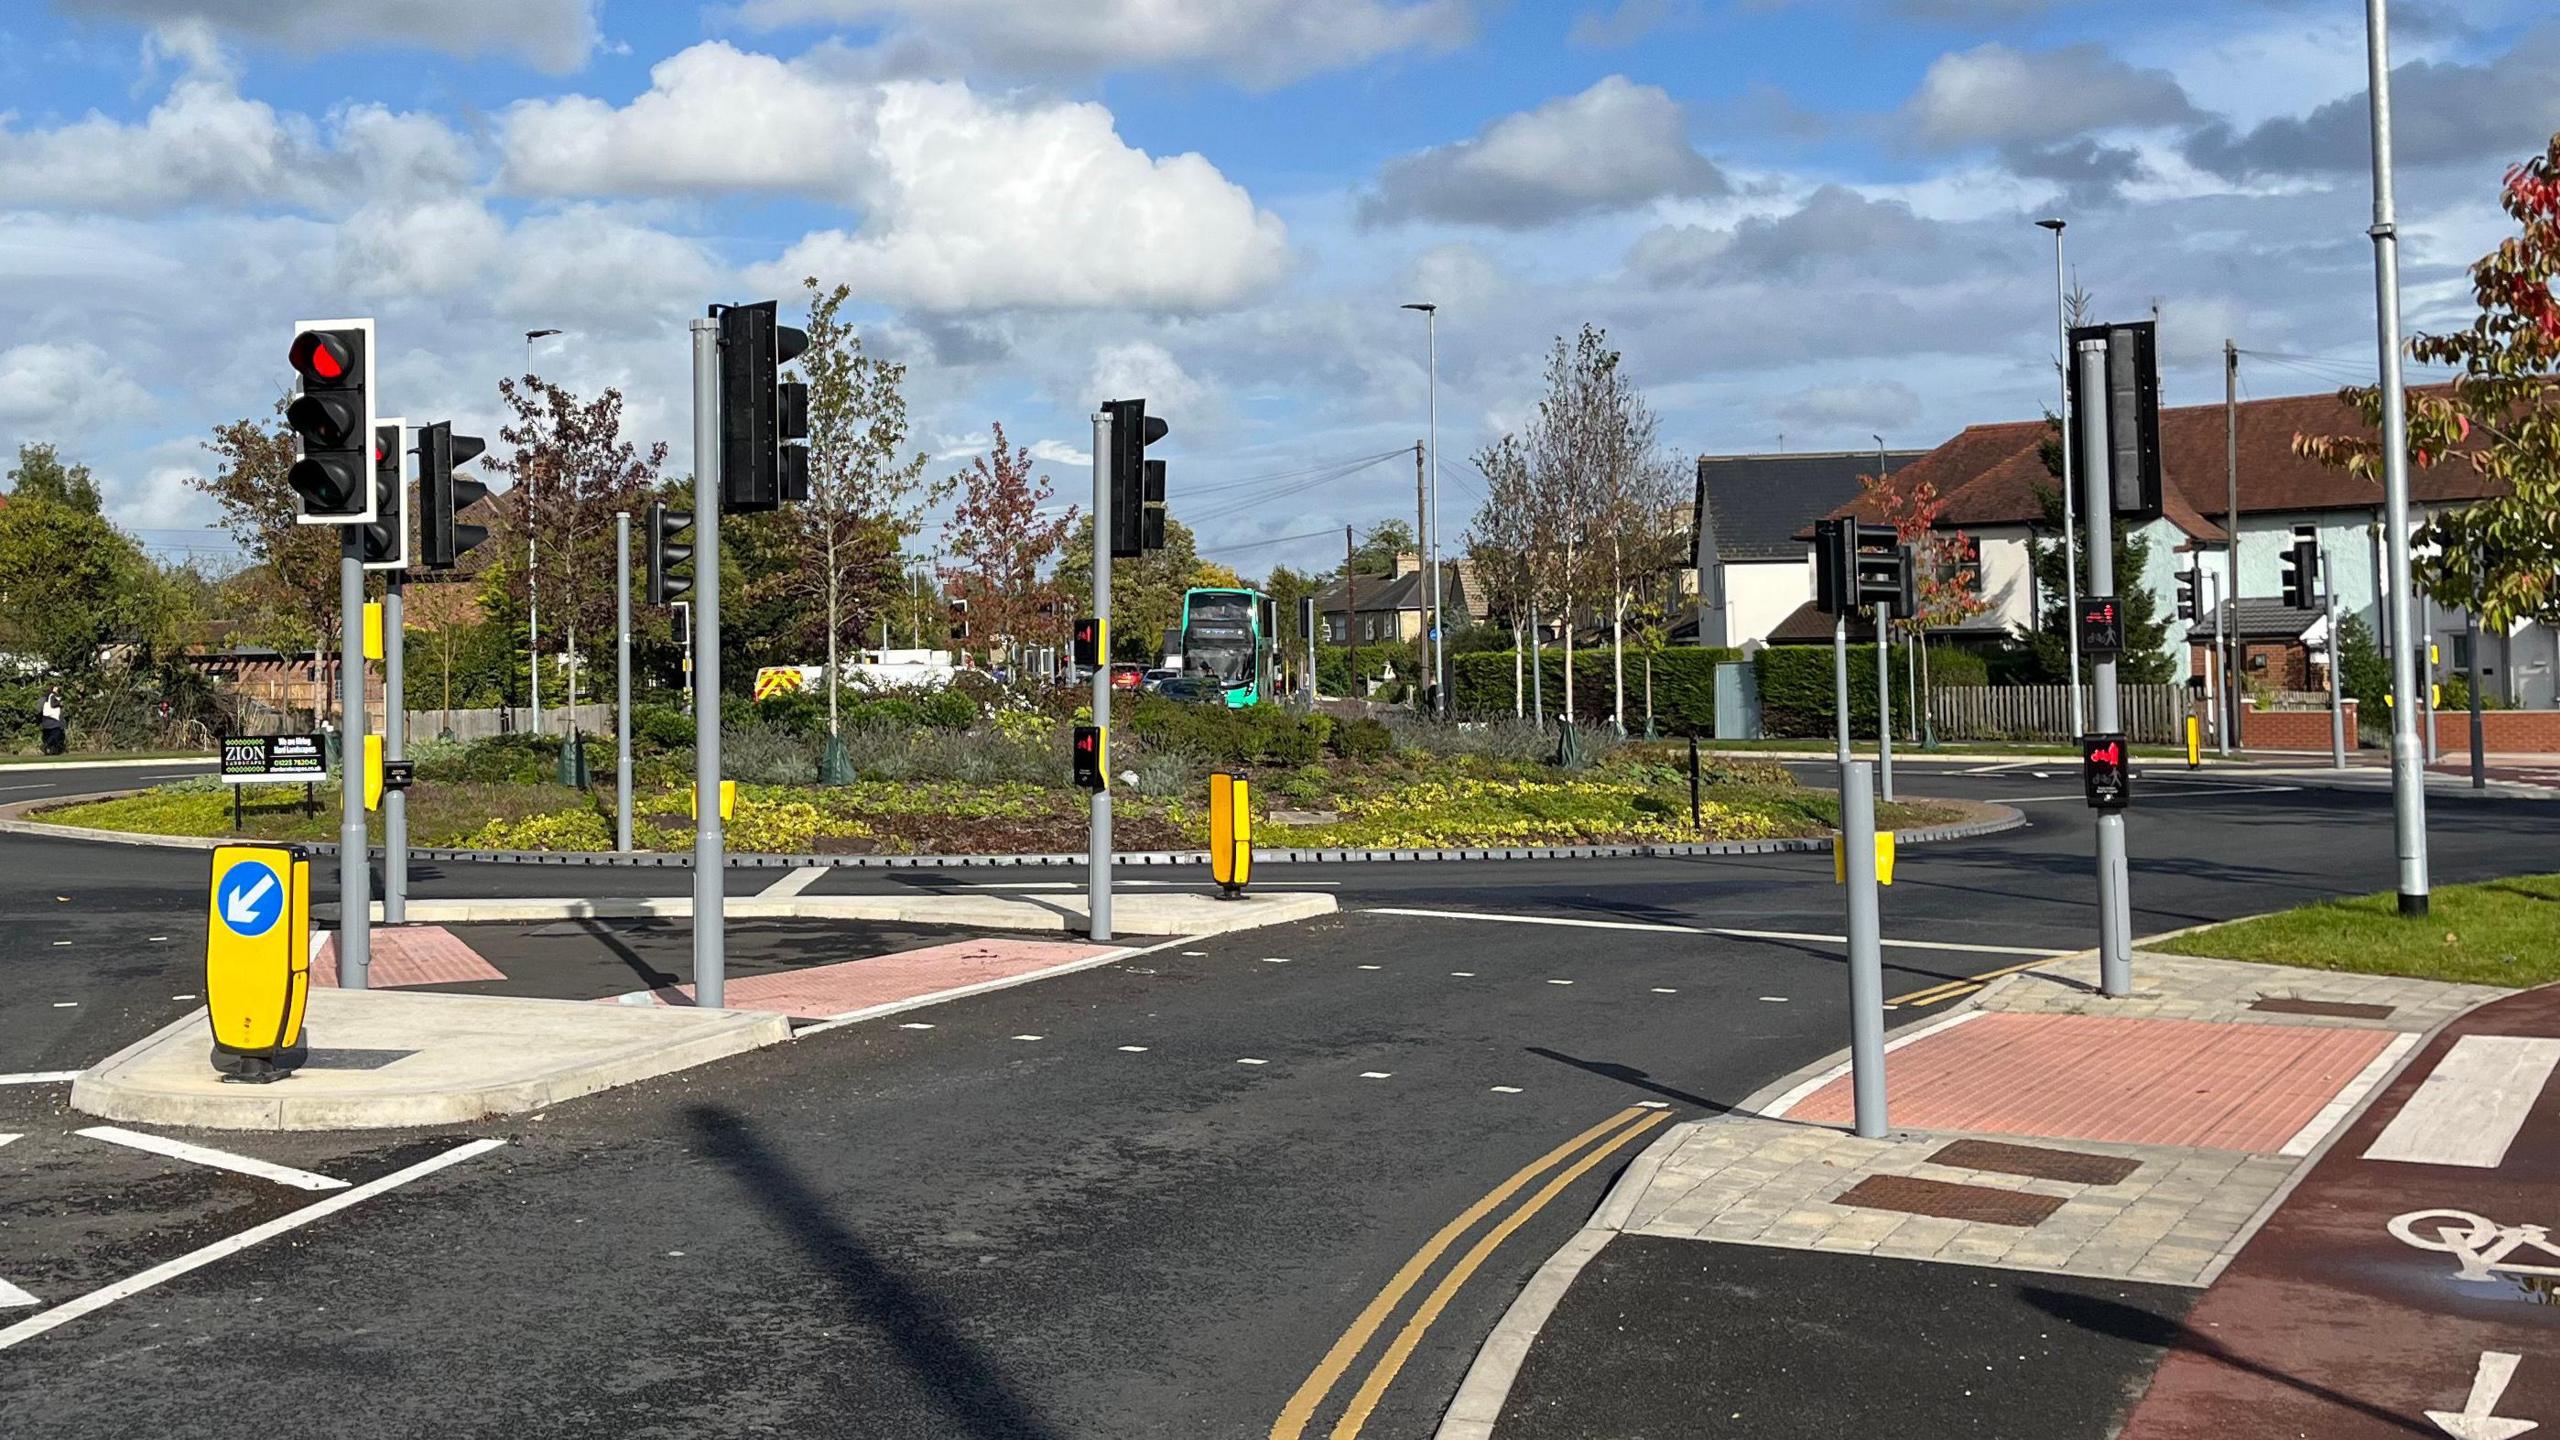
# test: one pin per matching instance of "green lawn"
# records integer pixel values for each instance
(2499, 932)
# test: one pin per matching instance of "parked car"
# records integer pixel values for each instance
(1155, 678)
(1192, 690)
(1128, 675)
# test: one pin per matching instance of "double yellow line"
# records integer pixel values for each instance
(1603, 1140)
(1937, 994)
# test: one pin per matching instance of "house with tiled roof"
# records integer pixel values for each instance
(1989, 476)
(1752, 571)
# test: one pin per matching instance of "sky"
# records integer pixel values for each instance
(1806, 223)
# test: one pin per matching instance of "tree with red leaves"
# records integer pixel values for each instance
(1946, 565)
(1003, 540)
(2499, 558)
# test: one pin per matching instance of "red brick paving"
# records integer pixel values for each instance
(409, 955)
(2138, 1082)
(819, 991)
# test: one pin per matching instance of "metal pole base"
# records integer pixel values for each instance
(2413, 906)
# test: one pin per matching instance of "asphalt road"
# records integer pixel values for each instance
(958, 1231)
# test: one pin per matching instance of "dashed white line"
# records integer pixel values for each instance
(1194, 954)
(158, 939)
(1559, 982)
(66, 1004)
(1373, 967)
(217, 1159)
(1664, 990)
(59, 944)
(1377, 1074)
(1030, 1037)
(188, 996)
(1533, 920)
(1275, 959)
(1775, 999)
(793, 883)
(1462, 974)
(1249, 1060)
(1506, 1089)
(1135, 1049)
(1653, 1104)
(160, 1274)
(915, 1025)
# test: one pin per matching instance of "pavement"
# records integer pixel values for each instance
(1294, 1172)
(2117, 1151)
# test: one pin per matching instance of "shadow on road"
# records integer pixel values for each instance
(2130, 1322)
(915, 1325)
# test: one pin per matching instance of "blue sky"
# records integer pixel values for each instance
(1799, 218)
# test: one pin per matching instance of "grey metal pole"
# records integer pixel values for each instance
(710, 862)
(1884, 696)
(622, 680)
(2337, 656)
(2223, 710)
(2479, 761)
(1911, 681)
(2427, 675)
(355, 902)
(1840, 685)
(1866, 950)
(1439, 618)
(532, 612)
(2070, 541)
(1097, 860)
(2408, 765)
(395, 746)
(2227, 627)
(2115, 964)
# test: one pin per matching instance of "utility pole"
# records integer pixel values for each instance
(355, 878)
(1097, 860)
(395, 746)
(2226, 624)
(2115, 924)
(2070, 555)
(2337, 653)
(2408, 766)
(1351, 604)
(622, 680)
(710, 860)
(1436, 644)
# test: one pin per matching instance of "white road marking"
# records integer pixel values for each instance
(1559, 982)
(1653, 1104)
(1377, 1074)
(218, 1159)
(183, 997)
(2468, 1110)
(1249, 1060)
(158, 939)
(794, 883)
(1727, 932)
(11, 1297)
(1506, 1089)
(1664, 990)
(1775, 999)
(1275, 959)
(915, 1025)
(66, 1004)
(2344, 1103)
(1194, 954)
(1462, 974)
(1130, 884)
(194, 1260)
(40, 1077)
(59, 944)
(1135, 1049)
(1373, 967)
(1779, 1107)
(2478, 1419)
(1030, 1037)
(5, 789)
(1894, 944)
(5, 1139)
(1534, 920)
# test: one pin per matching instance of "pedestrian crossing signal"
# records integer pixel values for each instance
(1089, 642)
(1092, 759)
(2106, 776)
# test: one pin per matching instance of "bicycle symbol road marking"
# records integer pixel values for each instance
(2481, 1246)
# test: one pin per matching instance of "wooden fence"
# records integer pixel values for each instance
(2151, 713)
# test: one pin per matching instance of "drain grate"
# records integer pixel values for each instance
(2077, 1166)
(1914, 1196)
(2338, 1009)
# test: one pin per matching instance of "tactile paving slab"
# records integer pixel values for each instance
(409, 955)
(1973, 1203)
(2079, 1167)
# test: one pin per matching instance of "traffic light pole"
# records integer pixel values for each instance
(1098, 846)
(710, 956)
(2115, 910)
(622, 680)
(2337, 654)
(2408, 766)
(1884, 697)
(395, 746)
(1840, 685)
(355, 901)
(1866, 949)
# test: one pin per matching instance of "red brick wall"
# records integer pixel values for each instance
(2503, 732)
(2290, 729)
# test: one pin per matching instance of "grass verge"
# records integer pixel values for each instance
(2498, 932)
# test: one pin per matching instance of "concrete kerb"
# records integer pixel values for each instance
(1997, 818)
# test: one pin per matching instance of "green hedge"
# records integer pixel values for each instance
(1798, 698)
(1684, 686)
(1265, 734)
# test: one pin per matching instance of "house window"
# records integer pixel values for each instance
(1337, 628)
(1954, 557)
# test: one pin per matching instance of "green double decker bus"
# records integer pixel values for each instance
(1227, 642)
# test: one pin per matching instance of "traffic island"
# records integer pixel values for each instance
(387, 1059)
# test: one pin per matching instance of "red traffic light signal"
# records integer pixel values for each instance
(1089, 642)
(332, 417)
(2106, 774)
(1091, 756)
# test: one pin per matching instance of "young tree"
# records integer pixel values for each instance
(1501, 547)
(572, 470)
(864, 500)
(2499, 558)
(1946, 568)
(292, 581)
(1001, 540)
(71, 584)
(1580, 433)
(41, 475)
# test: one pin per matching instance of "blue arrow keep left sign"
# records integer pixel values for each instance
(250, 899)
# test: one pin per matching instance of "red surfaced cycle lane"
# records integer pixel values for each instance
(2410, 1285)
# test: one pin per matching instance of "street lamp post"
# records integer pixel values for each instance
(2070, 545)
(532, 581)
(1438, 639)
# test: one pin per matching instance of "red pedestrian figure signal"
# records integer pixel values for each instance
(2101, 625)
(2105, 776)
(1092, 759)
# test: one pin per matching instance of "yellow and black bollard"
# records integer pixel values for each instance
(257, 960)
(1230, 833)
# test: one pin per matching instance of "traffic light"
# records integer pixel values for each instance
(443, 495)
(2187, 609)
(1857, 565)
(959, 619)
(1091, 642)
(332, 418)
(764, 419)
(2132, 410)
(2302, 572)
(666, 553)
(1092, 757)
(1137, 483)
(386, 537)
(2101, 626)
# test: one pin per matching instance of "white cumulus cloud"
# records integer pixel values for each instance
(56, 390)
(1615, 145)
(1992, 95)
(551, 35)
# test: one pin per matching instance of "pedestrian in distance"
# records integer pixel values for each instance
(49, 720)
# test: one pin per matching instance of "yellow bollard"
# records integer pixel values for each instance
(257, 959)
(1230, 833)
(2195, 742)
